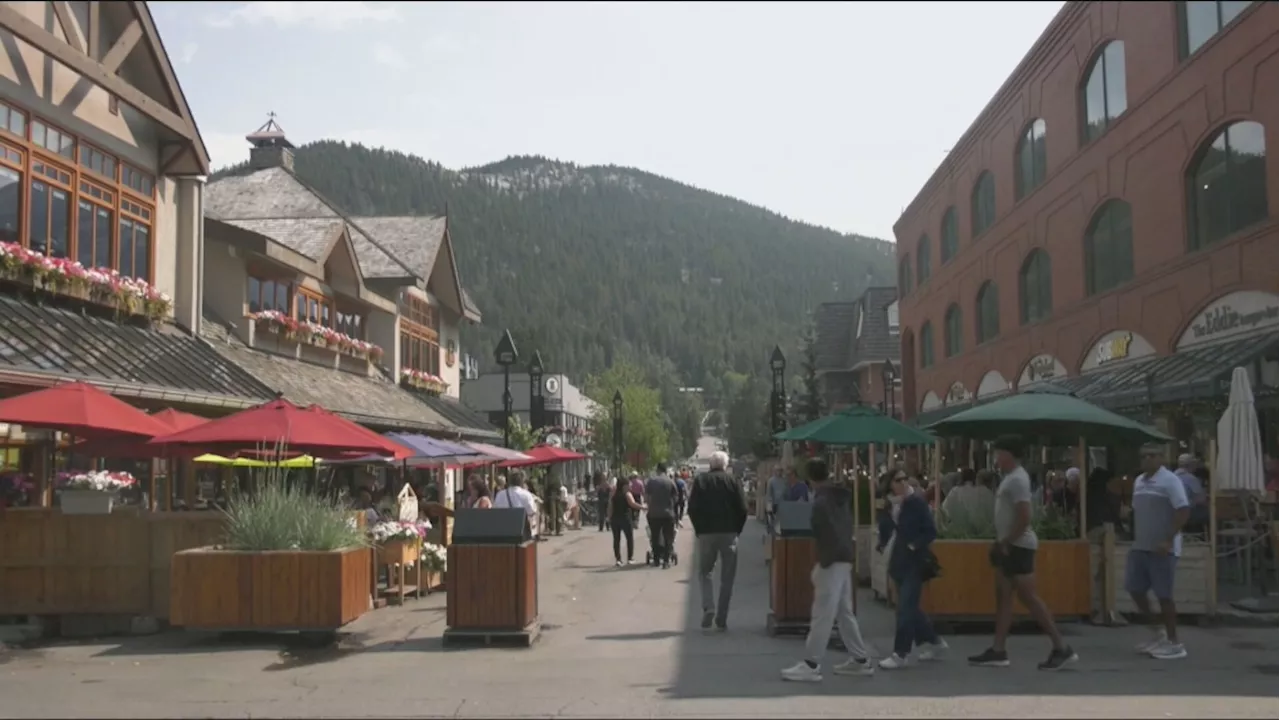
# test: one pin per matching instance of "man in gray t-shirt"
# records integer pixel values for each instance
(660, 494)
(1013, 557)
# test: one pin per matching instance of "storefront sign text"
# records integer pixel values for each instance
(1042, 367)
(1224, 319)
(1115, 348)
(957, 394)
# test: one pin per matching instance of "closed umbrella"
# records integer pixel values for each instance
(1239, 442)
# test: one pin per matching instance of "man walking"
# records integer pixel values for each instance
(1013, 555)
(682, 496)
(660, 494)
(602, 501)
(718, 512)
(555, 507)
(776, 494)
(832, 576)
(1160, 510)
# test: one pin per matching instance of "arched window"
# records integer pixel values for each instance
(950, 236)
(922, 260)
(1108, 248)
(982, 204)
(904, 276)
(1227, 185)
(1104, 93)
(1200, 20)
(1029, 169)
(1035, 287)
(953, 331)
(987, 312)
(926, 345)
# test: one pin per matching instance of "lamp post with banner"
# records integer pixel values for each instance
(778, 398)
(506, 356)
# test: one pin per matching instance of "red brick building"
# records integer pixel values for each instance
(1108, 222)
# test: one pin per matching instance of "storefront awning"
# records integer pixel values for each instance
(1197, 373)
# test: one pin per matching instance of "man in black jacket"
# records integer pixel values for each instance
(718, 512)
(832, 523)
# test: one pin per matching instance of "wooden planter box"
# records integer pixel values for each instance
(966, 588)
(492, 587)
(87, 502)
(865, 542)
(790, 585)
(399, 552)
(268, 591)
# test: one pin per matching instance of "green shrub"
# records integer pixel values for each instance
(970, 522)
(283, 515)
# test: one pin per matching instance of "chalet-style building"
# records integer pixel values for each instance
(100, 193)
(854, 340)
(359, 315)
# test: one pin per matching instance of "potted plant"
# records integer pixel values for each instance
(398, 542)
(435, 560)
(292, 560)
(91, 492)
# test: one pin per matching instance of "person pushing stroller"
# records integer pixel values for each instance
(660, 495)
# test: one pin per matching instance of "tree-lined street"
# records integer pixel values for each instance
(623, 643)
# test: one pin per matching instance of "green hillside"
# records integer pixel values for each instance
(589, 264)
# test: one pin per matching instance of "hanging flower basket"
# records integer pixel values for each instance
(424, 381)
(278, 323)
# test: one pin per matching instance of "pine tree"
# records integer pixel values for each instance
(809, 407)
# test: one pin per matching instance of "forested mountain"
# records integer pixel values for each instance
(589, 264)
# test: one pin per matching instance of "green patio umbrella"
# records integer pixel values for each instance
(1046, 412)
(856, 425)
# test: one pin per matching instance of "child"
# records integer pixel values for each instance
(832, 523)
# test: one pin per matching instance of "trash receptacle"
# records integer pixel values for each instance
(492, 593)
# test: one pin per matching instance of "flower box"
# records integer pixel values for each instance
(87, 502)
(424, 381)
(68, 278)
(398, 552)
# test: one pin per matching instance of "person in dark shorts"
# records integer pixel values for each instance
(1013, 555)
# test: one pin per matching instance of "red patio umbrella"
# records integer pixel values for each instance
(319, 434)
(80, 409)
(174, 421)
(544, 455)
(398, 451)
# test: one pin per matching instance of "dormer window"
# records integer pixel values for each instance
(419, 335)
(892, 312)
(267, 294)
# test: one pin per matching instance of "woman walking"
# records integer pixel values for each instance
(478, 494)
(621, 507)
(909, 562)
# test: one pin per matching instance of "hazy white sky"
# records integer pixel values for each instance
(833, 113)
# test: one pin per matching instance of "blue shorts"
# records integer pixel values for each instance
(1146, 572)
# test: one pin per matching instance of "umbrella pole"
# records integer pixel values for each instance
(1082, 454)
(1213, 527)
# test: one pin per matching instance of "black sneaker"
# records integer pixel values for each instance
(707, 618)
(1059, 659)
(990, 658)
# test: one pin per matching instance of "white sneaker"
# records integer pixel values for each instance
(855, 666)
(893, 662)
(801, 672)
(1158, 638)
(934, 651)
(1169, 651)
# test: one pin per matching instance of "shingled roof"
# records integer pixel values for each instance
(834, 322)
(842, 345)
(412, 240)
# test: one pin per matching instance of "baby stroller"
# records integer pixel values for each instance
(649, 558)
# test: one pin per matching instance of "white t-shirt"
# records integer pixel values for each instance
(1014, 488)
(1155, 501)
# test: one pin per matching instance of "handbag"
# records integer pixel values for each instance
(930, 568)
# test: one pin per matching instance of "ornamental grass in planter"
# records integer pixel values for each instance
(292, 560)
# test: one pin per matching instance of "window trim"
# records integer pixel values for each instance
(949, 214)
(413, 331)
(1090, 272)
(983, 334)
(924, 252)
(1194, 244)
(906, 269)
(1026, 140)
(947, 331)
(1097, 59)
(266, 277)
(1042, 283)
(310, 294)
(1180, 15)
(926, 345)
(33, 154)
(974, 231)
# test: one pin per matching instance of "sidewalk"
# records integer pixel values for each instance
(623, 643)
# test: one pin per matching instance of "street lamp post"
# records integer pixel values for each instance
(619, 447)
(537, 403)
(506, 356)
(887, 375)
(778, 399)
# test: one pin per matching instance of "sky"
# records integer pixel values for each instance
(831, 113)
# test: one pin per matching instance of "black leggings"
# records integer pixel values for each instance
(623, 527)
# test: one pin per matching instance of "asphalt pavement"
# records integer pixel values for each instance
(625, 643)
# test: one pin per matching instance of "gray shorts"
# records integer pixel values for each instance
(1146, 571)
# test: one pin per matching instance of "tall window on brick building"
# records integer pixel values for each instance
(1029, 169)
(1227, 185)
(1035, 287)
(987, 312)
(926, 345)
(982, 204)
(950, 235)
(953, 331)
(1103, 95)
(904, 277)
(1108, 248)
(923, 251)
(1200, 20)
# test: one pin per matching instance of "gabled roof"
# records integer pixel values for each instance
(414, 241)
(834, 324)
(875, 343)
